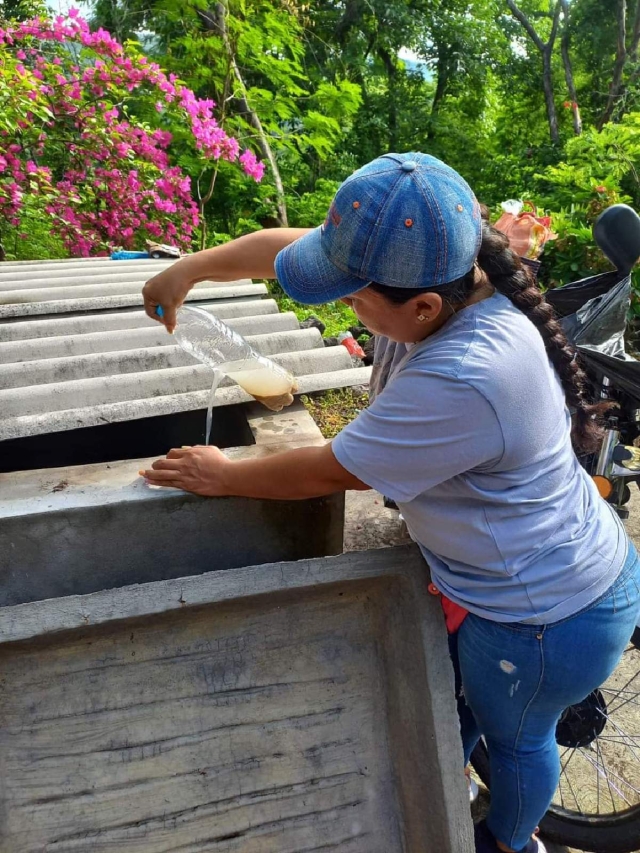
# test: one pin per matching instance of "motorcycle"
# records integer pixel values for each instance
(597, 803)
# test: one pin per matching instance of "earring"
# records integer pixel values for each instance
(421, 318)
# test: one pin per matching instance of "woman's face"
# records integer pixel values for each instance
(413, 321)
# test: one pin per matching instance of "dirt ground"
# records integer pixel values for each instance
(369, 525)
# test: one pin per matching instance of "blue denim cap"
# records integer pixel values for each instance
(403, 220)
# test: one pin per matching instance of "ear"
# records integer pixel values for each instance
(427, 307)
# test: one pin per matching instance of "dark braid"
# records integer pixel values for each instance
(507, 274)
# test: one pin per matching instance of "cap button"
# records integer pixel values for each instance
(408, 165)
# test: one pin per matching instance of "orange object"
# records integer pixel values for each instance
(603, 485)
(526, 231)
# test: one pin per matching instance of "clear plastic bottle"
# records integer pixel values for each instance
(212, 342)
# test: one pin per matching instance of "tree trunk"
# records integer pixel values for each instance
(352, 14)
(392, 72)
(547, 85)
(546, 49)
(215, 20)
(438, 96)
(568, 69)
(621, 58)
(624, 54)
(635, 38)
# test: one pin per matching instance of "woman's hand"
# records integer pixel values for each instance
(168, 289)
(306, 472)
(251, 256)
(200, 470)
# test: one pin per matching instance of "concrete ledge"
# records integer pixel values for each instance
(142, 358)
(109, 284)
(128, 319)
(144, 384)
(120, 340)
(63, 266)
(103, 303)
(78, 530)
(79, 417)
(72, 278)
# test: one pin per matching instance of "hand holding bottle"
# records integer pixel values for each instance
(251, 256)
(167, 291)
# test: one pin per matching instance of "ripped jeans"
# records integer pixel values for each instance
(517, 680)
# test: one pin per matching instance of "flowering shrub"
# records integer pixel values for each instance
(81, 145)
(599, 168)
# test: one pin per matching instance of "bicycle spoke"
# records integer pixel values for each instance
(597, 786)
(633, 739)
(622, 734)
(604, 772)
(623, 689)
(560, 791)
(599, 772)
(573, 752)
(622, 780)
(568, 780)
(631, 700)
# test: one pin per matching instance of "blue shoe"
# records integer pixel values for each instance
(486, 843)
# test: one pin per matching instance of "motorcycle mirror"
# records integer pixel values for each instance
(617, 233)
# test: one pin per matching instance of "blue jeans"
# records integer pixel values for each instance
(517, 680)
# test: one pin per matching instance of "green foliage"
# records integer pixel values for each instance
(598, 162)
(331, 92)
(336, 316)
(310, 209)
(599, 168)
(34, 238)
(21, 10)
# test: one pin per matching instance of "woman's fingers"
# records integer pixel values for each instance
(194, 469)
(163, 295)
(170, 318)
(151, 308)
(174, 464)
(159, 475)
(178, 452)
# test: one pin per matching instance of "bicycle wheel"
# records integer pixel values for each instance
(597, 804)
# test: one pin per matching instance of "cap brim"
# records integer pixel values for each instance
(308, 276)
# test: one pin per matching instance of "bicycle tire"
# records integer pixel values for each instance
(605, 834)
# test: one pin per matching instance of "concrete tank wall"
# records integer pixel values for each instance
(81, 529)
(290, 707)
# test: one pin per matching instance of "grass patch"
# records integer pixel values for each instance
(334, 410)
(336, 316)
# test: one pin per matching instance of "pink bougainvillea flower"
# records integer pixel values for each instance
(119, 185)
(252, 165)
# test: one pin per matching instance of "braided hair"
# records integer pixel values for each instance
(507, 274)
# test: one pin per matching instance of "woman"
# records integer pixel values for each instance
(472, 437)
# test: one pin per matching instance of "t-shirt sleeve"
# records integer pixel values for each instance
(424, 429)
